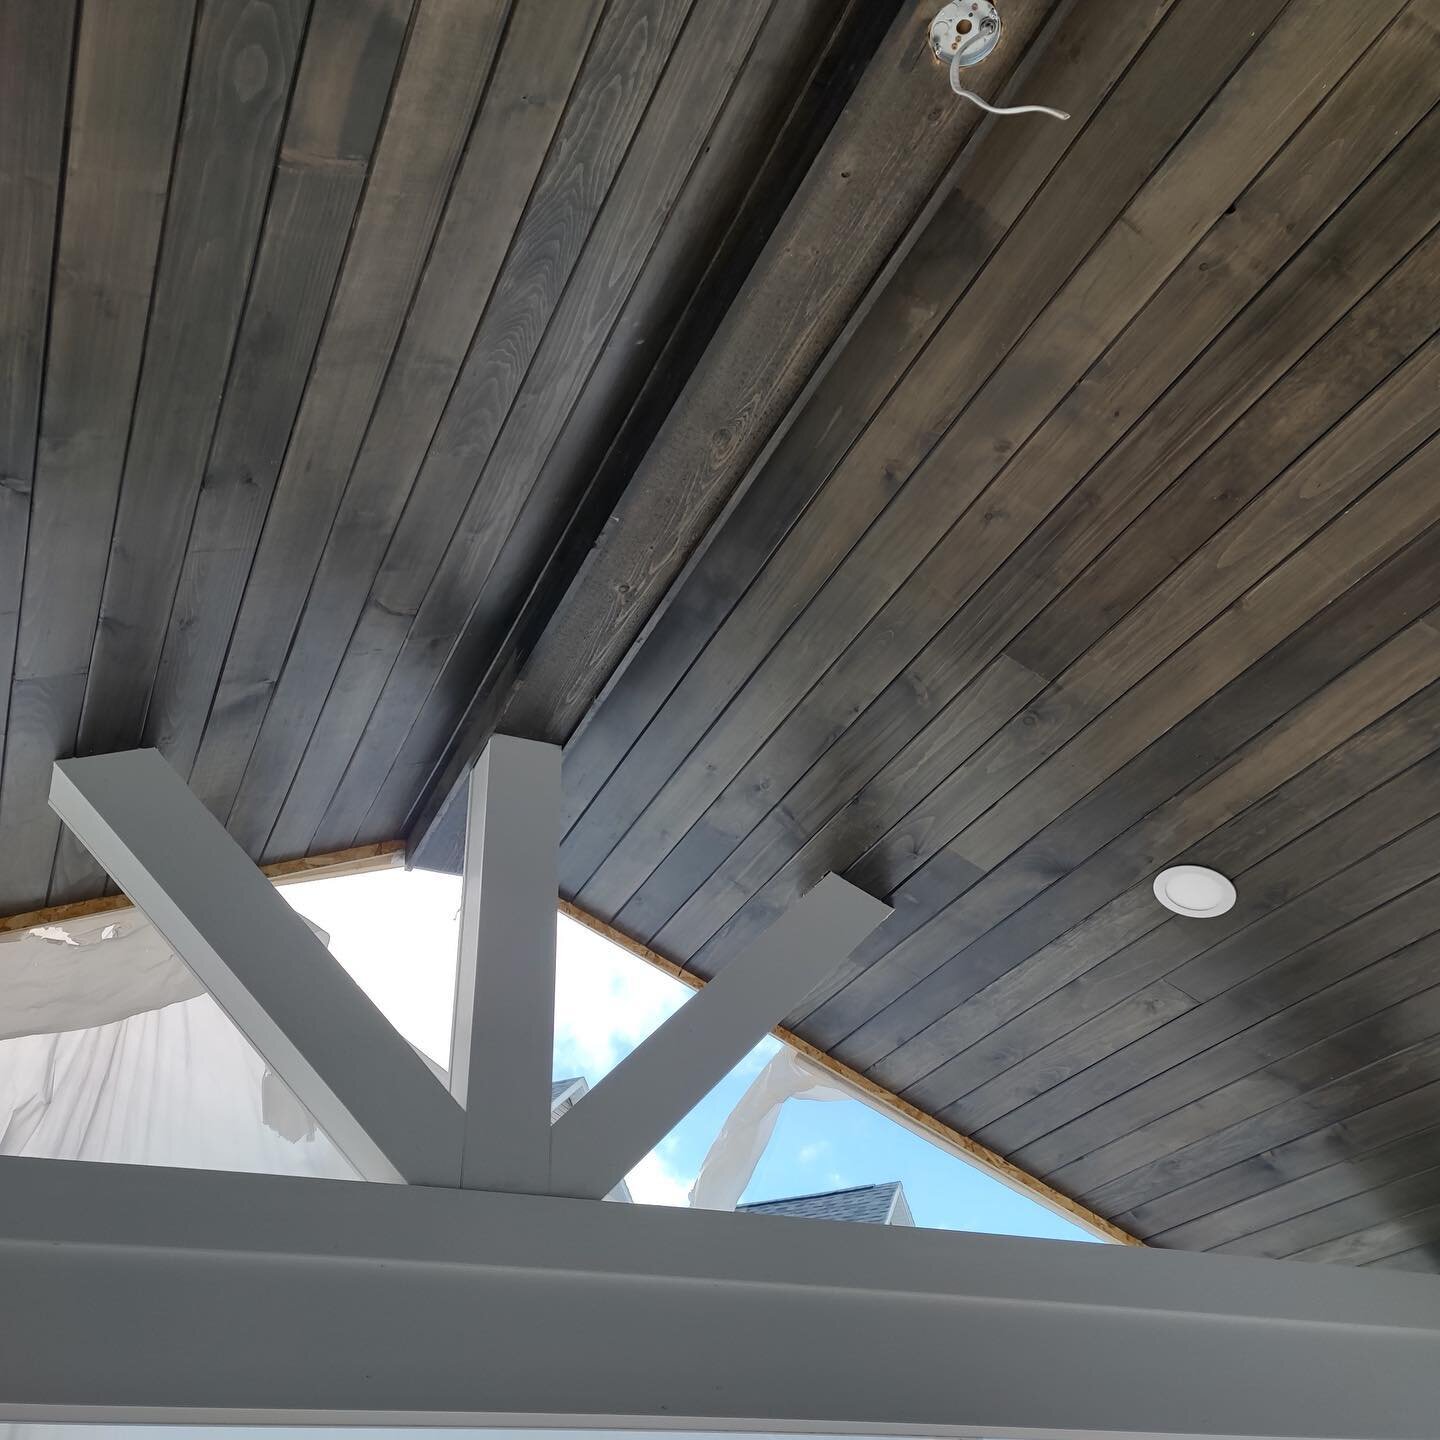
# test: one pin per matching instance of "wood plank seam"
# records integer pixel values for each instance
(664, 932)
(517, 687)
(579, 878)
(1329, 428)
(689, 945)
(459, 644)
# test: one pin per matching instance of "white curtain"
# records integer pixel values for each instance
(111, 1050)
(730, 1162)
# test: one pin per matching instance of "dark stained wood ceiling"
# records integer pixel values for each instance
(318, 319)
(992, 512)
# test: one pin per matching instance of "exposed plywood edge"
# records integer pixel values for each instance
(359, 860)
(884, 1100)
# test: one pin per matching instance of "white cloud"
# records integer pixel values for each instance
(758, 1057)
(809, 1154)
(606, 1002)
(655, 1181)
(395, 932)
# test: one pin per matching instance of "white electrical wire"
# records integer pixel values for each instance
(970, 95)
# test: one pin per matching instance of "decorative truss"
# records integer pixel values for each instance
(488, 1286)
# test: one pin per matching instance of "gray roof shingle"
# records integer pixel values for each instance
(868, 1204)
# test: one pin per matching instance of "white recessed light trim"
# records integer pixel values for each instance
(1194, 890)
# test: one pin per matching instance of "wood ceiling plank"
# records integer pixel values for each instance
(985, 190)
(810, 286)
(1423, 1258)
(1267, 847)
(794, 92)
(1383, 680)
(129, 77)
(36, 47)
(1242, 1225)
(1236, 556)
(530, 363)
(1020, 1057)
(35, 54)
(241, 70)
(534, 72)
(1177, 826)
(1402, 1182)
(1361, 446)
(738, 672)
(1381, 906)
(846, 255)
(1382, 1241)
(1240, 1190)
(348, 65)
(404, 716)
(1271, 436)
(443, 73)
(1173, 209)
(1274, 221)
(921, 707)
(1090, 1041)
(1198, 1168)
(1249, 1070)
(1279, 847)
(1357, 1060)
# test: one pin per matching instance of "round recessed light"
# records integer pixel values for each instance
(1194, 890)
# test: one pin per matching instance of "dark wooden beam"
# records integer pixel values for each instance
(857, 205)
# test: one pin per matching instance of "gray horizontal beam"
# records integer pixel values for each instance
(143, 1295)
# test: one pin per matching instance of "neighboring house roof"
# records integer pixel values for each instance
(563, 1094)
(869, 1204)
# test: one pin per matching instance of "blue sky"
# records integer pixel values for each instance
(395, 931)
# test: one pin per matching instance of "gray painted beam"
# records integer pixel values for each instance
(500, 1056)
(634, 1107)
(139, 1294)
(370, 1092)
